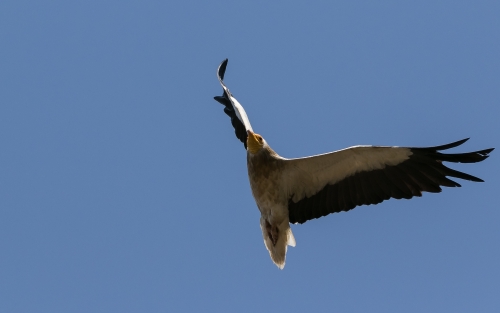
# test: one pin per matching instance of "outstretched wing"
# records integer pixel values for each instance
(341, 180)
(233, 108)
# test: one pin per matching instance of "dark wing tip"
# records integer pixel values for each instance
(223, 100)
(469, 157)
(447, 146)
(222, 69)
(486, 151)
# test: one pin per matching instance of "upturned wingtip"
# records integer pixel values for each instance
(222, 69)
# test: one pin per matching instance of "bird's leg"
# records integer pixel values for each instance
(272, 232)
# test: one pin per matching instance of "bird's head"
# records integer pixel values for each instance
(255, 142)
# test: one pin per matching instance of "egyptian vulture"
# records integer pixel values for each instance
(297, 190)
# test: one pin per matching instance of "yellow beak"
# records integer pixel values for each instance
(253, 144)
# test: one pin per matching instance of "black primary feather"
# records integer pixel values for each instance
(225, 100)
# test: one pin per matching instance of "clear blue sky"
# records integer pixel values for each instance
(124, 189)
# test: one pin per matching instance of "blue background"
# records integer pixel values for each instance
(124, 189)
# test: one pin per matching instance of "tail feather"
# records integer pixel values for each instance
(277, 246)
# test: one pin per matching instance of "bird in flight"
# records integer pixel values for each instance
(297, 190)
